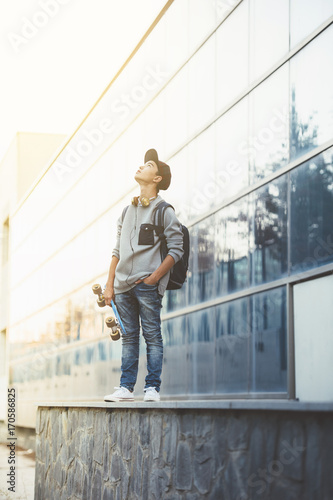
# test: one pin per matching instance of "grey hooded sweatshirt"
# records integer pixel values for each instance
(138, 246)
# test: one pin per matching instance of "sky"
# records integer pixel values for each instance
(58, 56)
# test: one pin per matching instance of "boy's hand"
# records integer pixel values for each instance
(150, 280)
(108, 295)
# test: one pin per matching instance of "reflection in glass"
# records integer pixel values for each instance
(268, 232)
(175, 299)
(251, 344)
(201, 184)
(175, 358)
(311, 74)
(269, 341)
(233, 338)
(269, 129)
(232, 56)
(269, 34)
(306, 16)
(202, 263)
(311, 224)
(231, 248)
(231, 151)
(201, 351)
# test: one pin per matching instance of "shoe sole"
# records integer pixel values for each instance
(152, 400)
(117, 400)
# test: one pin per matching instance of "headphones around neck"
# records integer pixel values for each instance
(145, 202)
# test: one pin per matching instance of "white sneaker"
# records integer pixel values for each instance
(121, 394)
(151, 394)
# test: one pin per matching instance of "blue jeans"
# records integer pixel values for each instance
(144, 302)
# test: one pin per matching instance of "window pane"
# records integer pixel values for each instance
(312, 95)
(306, 16)
(201, 179)
(201, 20)
(269, 346)
(176, 111)
(201, 351)
(201, 87)
(268, 222)
(232, 246)
(179, 196)
(269, 129)
(232, 56)
(311, 230)
(175, 372)
(232, 347)
(202, 263)
(231, 151)
(177, 34)
(223, 7)
(154, 128)
(269, 34)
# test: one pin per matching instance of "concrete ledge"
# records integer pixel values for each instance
(189, 451)
(226, 404)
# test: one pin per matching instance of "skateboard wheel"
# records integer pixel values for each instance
(115, 335)
(110, 322)
(97, 289)
(101, 302)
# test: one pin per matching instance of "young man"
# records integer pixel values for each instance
(137, 277)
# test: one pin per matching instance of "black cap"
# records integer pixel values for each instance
(163, 168)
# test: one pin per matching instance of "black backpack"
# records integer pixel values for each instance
(179, 270)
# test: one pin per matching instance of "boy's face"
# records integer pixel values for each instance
(147, 173)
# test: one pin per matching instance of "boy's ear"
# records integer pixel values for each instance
(157, 178)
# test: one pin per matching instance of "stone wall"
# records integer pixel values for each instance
(160, 453)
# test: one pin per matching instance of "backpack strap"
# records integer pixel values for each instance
(159, 226)
(158, 217)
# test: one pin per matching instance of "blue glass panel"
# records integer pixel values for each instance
(268, 223)
(232, 158)
(67, 363)
(58, 367)
(232, 248)
(233, 338)
(311, 225)
(251, 344)
(202, 263)
(77, 357)
(269, 341)
(175, 358)
(268, 146)
(201, 352)
(175, 299)
(102, 351)
(89, 351)
(200, 183)
(311, 77)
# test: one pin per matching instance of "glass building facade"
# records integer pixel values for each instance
(238, 98)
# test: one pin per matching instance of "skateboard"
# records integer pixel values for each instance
(115, 324)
